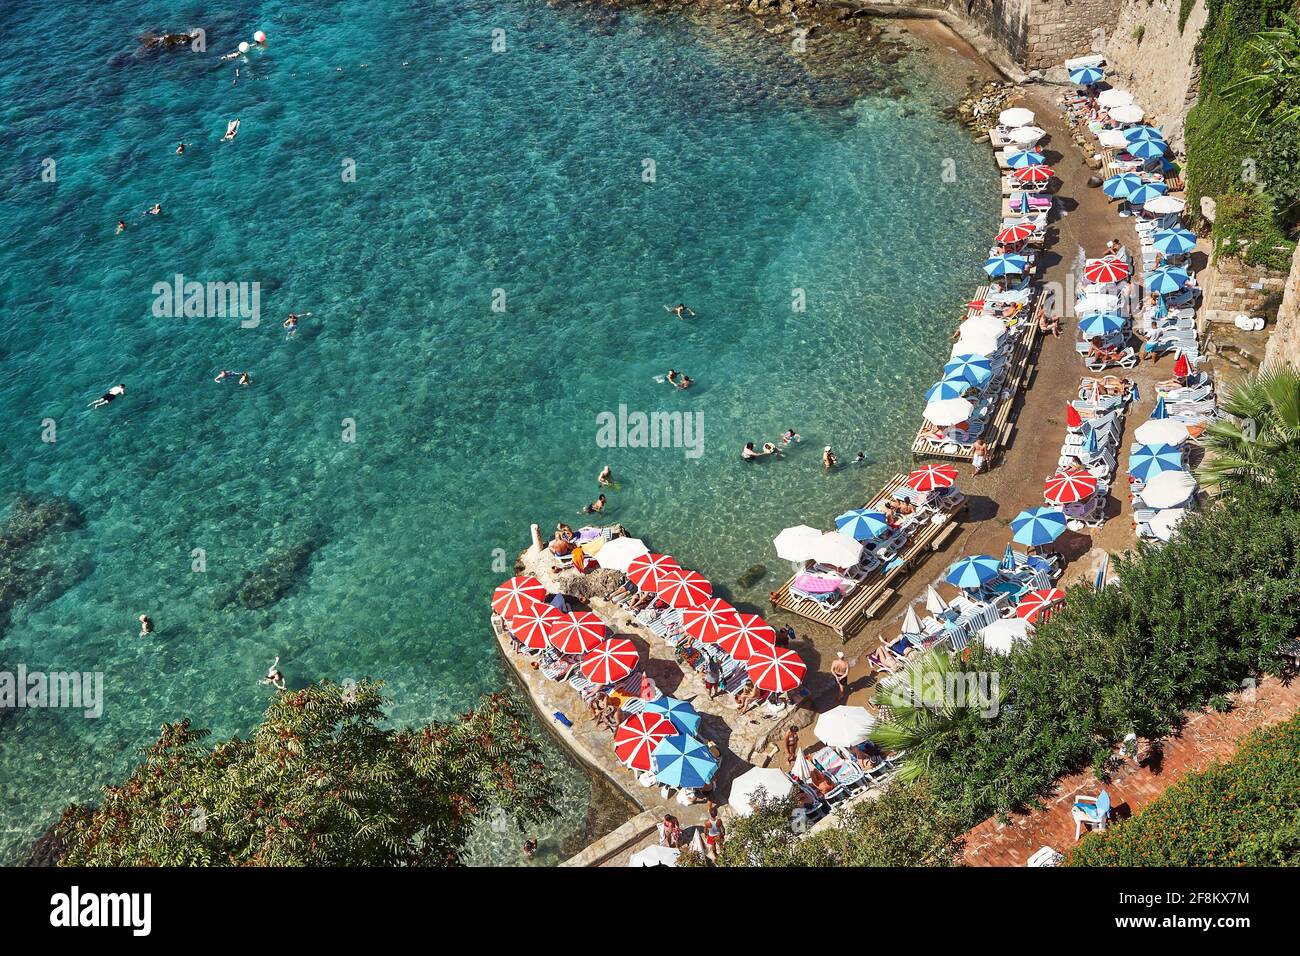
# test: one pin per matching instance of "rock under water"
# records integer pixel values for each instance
(280, 574)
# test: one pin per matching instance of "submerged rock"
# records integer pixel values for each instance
(24, 577)
(269, 583)
(752, 576)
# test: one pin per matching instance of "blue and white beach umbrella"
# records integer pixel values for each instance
(862, 524)
(1006, 264)
(1147, 461)
(1025, 157)
(948, 388)
(1119, 187)
(680, 712)
(1143, 131)
(1086, 76)
(1174, 242)
(1147, 192)
(1101, 324)
(972, 572)
(975, 369)
(1090, 443)
(1038, 526)
(1148, 148)
(682, 761)
(1166, 279)
(1160, 411)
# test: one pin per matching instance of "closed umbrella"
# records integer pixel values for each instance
(1073, 419)
(532, 626)
(516, 594)
(1147, 461)
(684, 762)
(1146, 192)
(911, 623)
(654, 856)
(745, 790)
(844, 726)
(1174, 242)
(1008, 562)
(1035, 602)
(1130, 113)
(837, 550)
(1163, 205)
(802, 769)
(1161, 431)
(1112, 98)
(778, 670)
(1016, 116)
(796, 543)
(1067, 486)
(638, 735)
(617, 553)
(743, 634)
(645, 570)
(948, 411)
(972, 572)
(1120, 186)
(930, 477)
(933, 602)
(975, 369)
(862, 525)
(1086, 76)
(684, 588)
(1168, 489)
(948, 388)
(610, 662)
(577, 632)
(705, 619)
(1025, 157)
(1006, 264)
(1160, 411)
(1101, 324)
(1036, 527)
(1106, 270)
(680, 713)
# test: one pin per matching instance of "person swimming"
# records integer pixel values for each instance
(790, 436)
(291, 323)
(224, 374)
(596, 507)
(180, 148)
(274, 676)
(232, 129)
(155, 209)
(747, 453)
(860, 458)
(108, 396)
(829, 460)
(686, 381)
(681, 309)
(121, 225)
(605, 478)
(245, 378)
(146, 625)
(671, 377)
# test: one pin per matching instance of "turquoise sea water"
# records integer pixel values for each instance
(476, 171)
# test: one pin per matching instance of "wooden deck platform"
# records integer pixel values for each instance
(872, 595)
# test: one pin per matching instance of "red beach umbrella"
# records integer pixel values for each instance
(516, 594)
(705, 620)
(1072, 417)
(636, 738)
(533, 624)
(745, 634)
(577, 632)
(1066, 486)
(1182, 368)
(1018, 232)
(1033, 174)
(930, 477)
(645, 570)
(684, 588)
(1035, 601)
(1106, 270)
(776, 670)
(610, 661)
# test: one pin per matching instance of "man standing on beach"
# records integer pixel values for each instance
(840, 671)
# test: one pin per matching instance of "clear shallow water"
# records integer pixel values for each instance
(474, 172)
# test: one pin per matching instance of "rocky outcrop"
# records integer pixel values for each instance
(1284, 345)
(31, 521)
(267, 584)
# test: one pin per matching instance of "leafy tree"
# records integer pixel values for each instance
(1266, 407)
(1270, 92)
(321, 782)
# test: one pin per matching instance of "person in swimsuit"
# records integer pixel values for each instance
(245, 378)
(790, 436)
(180, 149)
(224, 374)
(672, 376)
(596, 507)
(108, 396)
(686, 381)
(860, 458)
(121, 225)
(605, 478)
(829, 460)
(291, 323)
(146, 625)
(681, 309)
(715, 834)
(840, 671)
(155, 209)
(273, 675)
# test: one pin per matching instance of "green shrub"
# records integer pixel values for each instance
(1139, 33)
(1184, 11)
(1245, 228)
(1244, 812)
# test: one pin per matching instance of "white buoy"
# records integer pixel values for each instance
(259, 37)
(243, 46)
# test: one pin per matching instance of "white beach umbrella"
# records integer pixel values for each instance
(976, 345)
(911, 623)
(844, 726)
(1001, 634)
(1161, 431)
(1167, 489)
(1112, 98)
(948, 411)
(982, 325)
(1016, 116)
(1166, 522)
(1163, 205)
(1112, 138)
(1026, 135)
(837, 550)
(802, 768)
(744, 788)
(933, 602)
(617, 553)
(796, 543)
(654, 856)
(1132, 113)
(1091, 302)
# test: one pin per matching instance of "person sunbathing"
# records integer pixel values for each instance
(1100, 351)
(1048, 323)
(641, 601)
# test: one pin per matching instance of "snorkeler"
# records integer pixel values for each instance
(274, 676)
(860, 458)
(108, 396)
(245, 378)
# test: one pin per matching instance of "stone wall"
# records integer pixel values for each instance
(1233, 288)
(1059, 29)
(1284, 344)
(1149, 56)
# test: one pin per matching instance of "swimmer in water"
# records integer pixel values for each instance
(180, 149)
(829, 460)
(672, 376)
(605, 478)
(146, 625)
(860, 458)
(224, 374)
(686, 381)
(273, 675)
(155, 209)
(108, 396)
(596, 507)
(291, 323)
(121, 225)
(245, 378)
(790, 436)
(681, 310)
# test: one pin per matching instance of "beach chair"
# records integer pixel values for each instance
(1090, 812)
(833, 765)
(1126, 359)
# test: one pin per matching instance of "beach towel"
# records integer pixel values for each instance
(815, 584)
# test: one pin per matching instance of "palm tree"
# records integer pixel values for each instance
(1271, 93)
(926, 700)
(1266, 409)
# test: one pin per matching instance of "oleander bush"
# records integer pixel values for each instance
(1242, 812)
